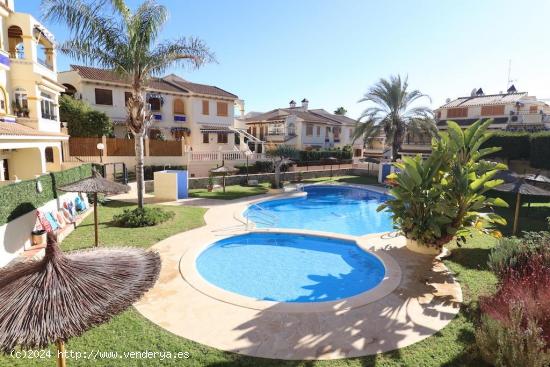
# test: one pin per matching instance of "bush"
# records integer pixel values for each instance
(540, 150)
(512, 343)
(260, 167)
(149, 171)
(513, 254)
(21, 197)
(319, 155)
(142, 217)
(515, 145)
(82, 120)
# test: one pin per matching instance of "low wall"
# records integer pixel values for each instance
(15, 235)
(202, 182)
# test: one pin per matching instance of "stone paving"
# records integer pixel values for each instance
(420, 299)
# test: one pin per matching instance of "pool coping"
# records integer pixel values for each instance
(391, 280)
(426, 300)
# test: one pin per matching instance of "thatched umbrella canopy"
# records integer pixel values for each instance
(223, 170)
(537, 177)
(63, 295)
(96, 184)
(515, 183)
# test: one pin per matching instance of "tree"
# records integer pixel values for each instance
(108, 34)
(393, 112)
(282, 154)
(340, 111)
(82, 120)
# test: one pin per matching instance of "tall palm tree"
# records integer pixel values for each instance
(106, 33)
(393, 112)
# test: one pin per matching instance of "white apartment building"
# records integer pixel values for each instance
(303, 128)
(513, 111)
(200, 115)
(30, 131)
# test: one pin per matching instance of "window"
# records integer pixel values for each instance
(205, 107)
(533, 109)
(492, 110)
(205, 138)
(48, 154)
(21, 103)
(127, 96)
(318, 130)
(221, 108)
(222, 138)
(104, 97)
(457, 112)
(179, 107)
(291, 129)
(309, 129)
(47, 105)
(3, 100)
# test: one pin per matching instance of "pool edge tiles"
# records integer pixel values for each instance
(390, 281)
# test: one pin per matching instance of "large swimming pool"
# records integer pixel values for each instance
(290, 268)
(339, 209)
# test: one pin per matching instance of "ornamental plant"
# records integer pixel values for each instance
(443, 197)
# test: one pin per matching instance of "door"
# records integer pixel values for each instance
(5, 168)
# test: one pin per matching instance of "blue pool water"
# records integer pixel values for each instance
(289, 268)
(339, 209)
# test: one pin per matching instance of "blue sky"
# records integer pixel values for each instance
(331, 51)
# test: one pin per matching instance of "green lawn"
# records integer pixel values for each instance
(231, 192)
(452, 346)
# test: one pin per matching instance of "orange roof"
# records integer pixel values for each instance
(15, 129)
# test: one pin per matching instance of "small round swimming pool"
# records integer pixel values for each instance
(329, 208)
(286, 267)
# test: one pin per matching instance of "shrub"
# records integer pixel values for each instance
(149, 171)
(82, 120)
(540, 150)
(513, 254)
(142, 217)
(21, 197)
(514, 145)
(512, 343)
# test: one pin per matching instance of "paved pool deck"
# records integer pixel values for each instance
(418, 299)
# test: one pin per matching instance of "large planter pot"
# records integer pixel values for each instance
(419, 248)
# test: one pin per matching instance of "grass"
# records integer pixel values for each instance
(452, 346)
(231, 192)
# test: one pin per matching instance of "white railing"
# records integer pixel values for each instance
(227, 155)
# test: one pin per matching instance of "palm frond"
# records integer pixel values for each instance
(178, 53)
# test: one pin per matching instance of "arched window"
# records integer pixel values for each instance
(179, 107)
(21, 103)
(16, 46)
(291, 129)
(47, 105)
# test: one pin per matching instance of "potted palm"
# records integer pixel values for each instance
(442, 198)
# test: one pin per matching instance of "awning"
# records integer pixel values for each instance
(216, 129)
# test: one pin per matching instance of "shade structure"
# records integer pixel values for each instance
(63, 295)
(537, 177)
(96, 185)
(223, 170)
(517, 184)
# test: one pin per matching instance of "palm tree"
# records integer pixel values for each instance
(108, 34)
(394, 113)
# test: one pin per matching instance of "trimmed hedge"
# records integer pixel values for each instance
(149, 171)
(515, 145)
(260, 167)
(21, 197)
(540, 150)
(318, 155)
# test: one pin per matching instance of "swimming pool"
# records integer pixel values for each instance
(286, 267)
(338, 209)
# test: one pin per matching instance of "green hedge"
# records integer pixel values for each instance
(540, 150)
(515, 145)
(318, 155)
(21, 197)
(260, 167)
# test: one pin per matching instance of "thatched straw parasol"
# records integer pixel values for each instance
(224, 171)
(516, 184)
(96, 184)
(65, 294)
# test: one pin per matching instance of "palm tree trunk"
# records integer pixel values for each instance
(139, 169)
(277, 174)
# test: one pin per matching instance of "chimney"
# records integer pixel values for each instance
(292, 104)
(304, 104)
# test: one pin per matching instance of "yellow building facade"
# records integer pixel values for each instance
(30, 131)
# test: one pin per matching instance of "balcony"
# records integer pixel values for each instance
(49, 116)
(44, 63)
(278, 136)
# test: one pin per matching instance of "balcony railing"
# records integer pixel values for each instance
(24, 113)
(44, 63)
(17, 54)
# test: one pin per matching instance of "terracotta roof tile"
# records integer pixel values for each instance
(204, 89)
(15, 129)
(491, 99)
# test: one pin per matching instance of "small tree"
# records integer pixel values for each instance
(340, 111)
(282, 154)
(82, 120)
